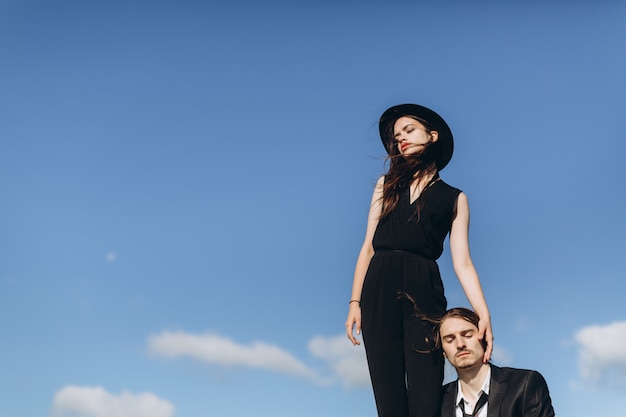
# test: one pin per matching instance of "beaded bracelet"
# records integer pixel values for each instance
(354, 301)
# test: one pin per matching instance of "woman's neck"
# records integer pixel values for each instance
(420, 183)
(421, 178)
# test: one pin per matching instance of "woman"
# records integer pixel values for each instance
(411, 213)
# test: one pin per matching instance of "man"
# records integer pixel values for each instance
(485, 390)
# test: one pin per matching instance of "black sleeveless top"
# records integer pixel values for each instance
(401, 230)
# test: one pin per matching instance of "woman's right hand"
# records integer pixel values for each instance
(354, 318)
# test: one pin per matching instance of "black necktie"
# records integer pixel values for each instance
(479, 404)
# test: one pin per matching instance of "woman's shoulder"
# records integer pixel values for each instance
(445, 187)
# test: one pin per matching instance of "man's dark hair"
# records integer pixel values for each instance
(460, 313)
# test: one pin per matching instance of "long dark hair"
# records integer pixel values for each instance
(404, 169)
(434, 340)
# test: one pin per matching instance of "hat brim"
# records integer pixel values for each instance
(389, 117)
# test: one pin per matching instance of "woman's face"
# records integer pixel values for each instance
(411, 136)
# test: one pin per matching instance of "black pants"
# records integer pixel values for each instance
(406, 375)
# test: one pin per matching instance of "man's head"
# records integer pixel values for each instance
(458, 336)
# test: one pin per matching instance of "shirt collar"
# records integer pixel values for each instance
(485, 388)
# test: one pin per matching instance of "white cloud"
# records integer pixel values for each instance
(500, 356)
(347, 362)
(110, 256)
(220, 350)
(97, 402)
(601, 350)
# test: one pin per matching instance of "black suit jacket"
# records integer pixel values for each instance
(512, 393)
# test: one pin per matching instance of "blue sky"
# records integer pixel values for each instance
(185, 189)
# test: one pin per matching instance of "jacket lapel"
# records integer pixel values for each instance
(497, 389)
(448, 406)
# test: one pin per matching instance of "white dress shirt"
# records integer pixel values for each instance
(469, 407)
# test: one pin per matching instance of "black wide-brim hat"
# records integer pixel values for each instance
(445, 141)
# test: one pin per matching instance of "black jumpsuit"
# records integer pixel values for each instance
(406, 382)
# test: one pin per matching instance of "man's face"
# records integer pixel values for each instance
(460, 342)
